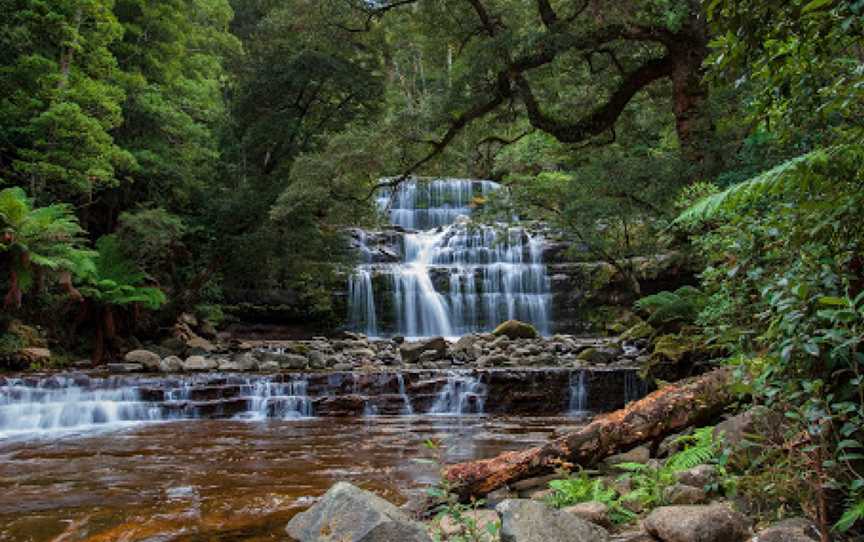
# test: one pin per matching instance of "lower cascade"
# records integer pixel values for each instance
(463, 394)
(446, 275)
(79, 402)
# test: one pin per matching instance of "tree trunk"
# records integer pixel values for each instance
(668, 410)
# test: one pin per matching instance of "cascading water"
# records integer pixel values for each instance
(454, 277)
(578, 393)
(463, 394)
(407, 408)
(268, 399)
(60, 403)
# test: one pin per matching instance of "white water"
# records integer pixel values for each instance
(60, 404)
(455, 277)
(578, 393)
(463, 394)
(407, 408)
(285, 400)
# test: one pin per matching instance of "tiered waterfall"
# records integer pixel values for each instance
(452, 276)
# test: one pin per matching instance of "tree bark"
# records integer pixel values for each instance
(667, 410)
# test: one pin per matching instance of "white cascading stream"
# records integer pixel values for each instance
(455, 277)
(578, 393)
(462, 394)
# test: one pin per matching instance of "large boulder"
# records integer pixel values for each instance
(149, 360)
(34, 355)
(593, 511)
(411, 352)
(514, 329)
(525, 520)
(348, 514)
(711, 523)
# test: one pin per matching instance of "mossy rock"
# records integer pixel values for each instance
(514, 329)
(641, 330)
(672, 347)
(616, 328)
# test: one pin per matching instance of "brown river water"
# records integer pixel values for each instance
(227, 480)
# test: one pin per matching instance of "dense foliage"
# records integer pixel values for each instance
(170, 156)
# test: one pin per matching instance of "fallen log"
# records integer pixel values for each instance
(665, 411)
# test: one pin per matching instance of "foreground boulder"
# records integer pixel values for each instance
(514, 329)
(712, 523)
(349, 514)
(525, 520)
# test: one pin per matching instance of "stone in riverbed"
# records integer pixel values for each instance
(593, 511)
(515, 329)
(699, 476)
(411, 352)
(171, 364)
(684, 494)
(199, 363)
(531, 521)
(711, 523)
(148, 359)
(347, 513)
(293, 361)
(481, 517)
(789, 530)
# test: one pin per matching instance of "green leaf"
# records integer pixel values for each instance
(816, 4)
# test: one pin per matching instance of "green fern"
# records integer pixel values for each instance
(850, 516)
(684, 305)
(802, 173)
(582, 488)
(116, 280)
(702, 448)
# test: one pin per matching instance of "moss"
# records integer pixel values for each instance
(587, 354)
(672, 347)
(641, 330)
(515, 329)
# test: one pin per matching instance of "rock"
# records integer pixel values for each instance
(268, 366)
(593, 511)
(124, 367)
(684, 494)
(411, 352)
(199, 363)
(514, 329)
(633, 536)
(481, 517)
(711, 523)
(245, 361)
(699, 476)
(534, 483)
(531, 521)
(347, 513)
(34, 355)
(148, 359)
(464, 344)
(293, 362)
(752, 422)
(642, 330)
(200, 344)
(317, 360)
(429, 355)
(361, 353)
(672, 347)
(598, 356)
(640, 454)
(171, 364)
(789, 530)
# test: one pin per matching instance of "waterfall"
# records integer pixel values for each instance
(362, 302)
(61, 403)
(269, 399)
(455, 277)
(578, 393)
(462, 394)
(407, 409)
(634, 387)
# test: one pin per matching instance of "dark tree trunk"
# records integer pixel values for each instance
(667, 410)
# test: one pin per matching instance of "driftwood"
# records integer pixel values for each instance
(667, 410)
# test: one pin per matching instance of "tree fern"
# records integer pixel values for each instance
(818, 170)
(116, 280)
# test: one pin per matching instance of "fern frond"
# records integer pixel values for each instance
(792, 176)
(850, 516)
